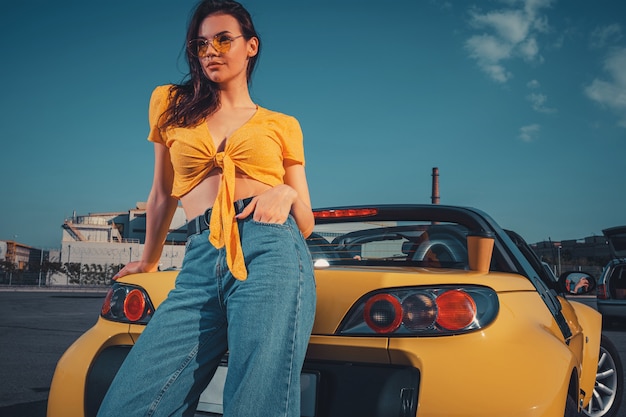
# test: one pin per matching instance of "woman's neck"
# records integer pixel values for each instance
(235, 96)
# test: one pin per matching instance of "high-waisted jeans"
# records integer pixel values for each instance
(263, 322)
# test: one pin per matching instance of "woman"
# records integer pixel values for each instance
(246, 285)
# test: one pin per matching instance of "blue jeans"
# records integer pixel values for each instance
(264, 322)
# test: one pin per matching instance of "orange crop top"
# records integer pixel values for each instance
(257, 149)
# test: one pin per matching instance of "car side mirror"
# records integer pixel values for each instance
(576, 283)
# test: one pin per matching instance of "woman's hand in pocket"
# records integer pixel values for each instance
(273, 206)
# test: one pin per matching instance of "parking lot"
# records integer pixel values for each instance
(36, 327)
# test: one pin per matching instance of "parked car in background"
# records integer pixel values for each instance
(423, 310)
(611, 292)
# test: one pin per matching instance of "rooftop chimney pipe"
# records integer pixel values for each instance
(435, 195)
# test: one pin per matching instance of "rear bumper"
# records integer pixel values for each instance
(356, 389)
(459, 386)
(342, 388)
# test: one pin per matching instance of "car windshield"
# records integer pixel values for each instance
(394, 243)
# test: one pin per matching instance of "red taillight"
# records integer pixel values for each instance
(383, 313)
(422, 311)
(601, 292)
(456, 308)
(127, 303)
(451, 310)
(106, 305)
(134, 305)
(361, 212)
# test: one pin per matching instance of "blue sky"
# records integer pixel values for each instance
(521, 104)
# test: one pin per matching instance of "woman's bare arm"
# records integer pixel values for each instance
(295, 177)
(160, 209)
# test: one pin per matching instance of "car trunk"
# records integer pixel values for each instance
(617, 240)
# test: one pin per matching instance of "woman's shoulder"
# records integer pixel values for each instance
(162, 90)
(267, 114)
(159, 100)
(284, 125)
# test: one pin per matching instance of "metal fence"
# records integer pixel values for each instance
(21, 278)
(61, 274)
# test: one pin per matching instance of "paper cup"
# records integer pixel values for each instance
(479, 250)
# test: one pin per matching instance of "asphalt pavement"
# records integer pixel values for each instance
(36, 327)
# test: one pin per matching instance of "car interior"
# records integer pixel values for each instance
(442, 246)
(617, 282)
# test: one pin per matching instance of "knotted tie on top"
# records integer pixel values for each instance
(223, 224)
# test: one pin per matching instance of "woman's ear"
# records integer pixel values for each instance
(253, 47)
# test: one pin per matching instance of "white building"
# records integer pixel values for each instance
(105, 239)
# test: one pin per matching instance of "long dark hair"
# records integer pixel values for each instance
(198, 97)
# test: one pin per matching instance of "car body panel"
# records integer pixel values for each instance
(450, 362)
(589, 323)
(158, 283)
(73, 367)
(338, 289)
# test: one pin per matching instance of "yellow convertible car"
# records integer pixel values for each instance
(423, 310)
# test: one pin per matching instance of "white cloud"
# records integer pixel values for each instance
(488, 51)
(529, 133)
(533, 84)
(488, 48)
(537, 99)
(605, 35)
(529, 50)
(444, 5)
(533, 6)
(507, 34)
(510, 25)
(498, 73)
(612, 92)
(538, 102)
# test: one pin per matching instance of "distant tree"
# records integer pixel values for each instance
(7, 266)
(51, 267)
(93, 274)
(89, 274)
(72, 270)
(110, 271)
